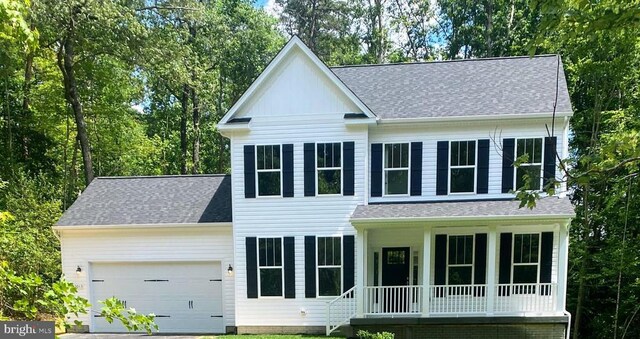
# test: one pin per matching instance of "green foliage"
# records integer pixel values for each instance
(14, 28)
(114, 309)
(28, 297)
(380, 335)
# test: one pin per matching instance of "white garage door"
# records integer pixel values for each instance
(186, 297)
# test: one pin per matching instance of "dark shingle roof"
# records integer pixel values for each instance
(152, 200)
(550, 206)
(470, 87)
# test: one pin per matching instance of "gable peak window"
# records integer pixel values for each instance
(329, 168)
(329, 266)
(532, 167)
(270, 267)
(396, 169)
(462, 167)
(268, 170)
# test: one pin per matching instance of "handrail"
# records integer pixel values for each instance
(340, 310)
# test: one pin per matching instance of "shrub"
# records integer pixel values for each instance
(379, 335)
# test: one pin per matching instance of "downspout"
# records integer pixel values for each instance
(568, 324)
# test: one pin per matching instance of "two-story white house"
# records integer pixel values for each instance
(375, 196)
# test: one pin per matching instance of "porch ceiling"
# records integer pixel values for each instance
(546, 208)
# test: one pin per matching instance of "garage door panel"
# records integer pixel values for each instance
(185, 296)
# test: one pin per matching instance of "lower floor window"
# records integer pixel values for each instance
(270, 266)
(329, 266)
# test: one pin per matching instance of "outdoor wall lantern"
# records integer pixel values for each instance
(79, 269)
(230, 270)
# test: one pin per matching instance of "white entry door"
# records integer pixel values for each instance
(186, 297)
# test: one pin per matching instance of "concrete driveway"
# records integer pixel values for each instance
(128, 336)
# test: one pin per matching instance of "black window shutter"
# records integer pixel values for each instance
(252, 267)
(504, 274)
(483, 166)
(480, 264)
(546, 257)
(508, 156)
(416, 168)
(309, 169)
(348, 266)
(442, 168)
(249, 171)
(289, 267)
(348, 149)
(376, 170)
(287, 170)
(440, 276)
(549, 159)
(310, 266)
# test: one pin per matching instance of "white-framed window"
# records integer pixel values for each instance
(329, 266)
(462, 166)
(533, 148)
(270, 267)
(396, 169)
(329, 168)
(268, 170)
(460, 258)
(526, 258)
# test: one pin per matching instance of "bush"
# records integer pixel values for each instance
(379, 335)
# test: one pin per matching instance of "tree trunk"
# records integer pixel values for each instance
(65, 63)
(312, 27)
(195, 101)
(26, 104)
(489, 28)
(184, 101)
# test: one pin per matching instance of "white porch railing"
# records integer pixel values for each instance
(390, 300)
(340, 310)
(458, 299)
(525, 298)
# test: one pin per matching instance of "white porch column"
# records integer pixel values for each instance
(491, 268)
(563, 259)
(426, 270)
(360, 269)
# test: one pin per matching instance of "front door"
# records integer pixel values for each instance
(395, 272)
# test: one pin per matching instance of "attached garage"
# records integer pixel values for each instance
(186, 297)
(163, 245)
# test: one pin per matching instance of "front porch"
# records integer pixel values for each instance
(467, 269)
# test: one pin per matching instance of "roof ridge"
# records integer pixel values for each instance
(163, 176)
(447, 61)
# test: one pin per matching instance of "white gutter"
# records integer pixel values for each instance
(139, 226)
(463, 218)
(475, 118)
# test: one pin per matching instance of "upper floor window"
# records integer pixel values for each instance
(532, 167)
(526, 248)
(329, 266)
(396, 168)
(270, 267)
(268, 170)
(329, 167)
(462, 167)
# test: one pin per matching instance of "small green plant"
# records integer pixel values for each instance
(132, 320)
(378, 335)
(28, 297)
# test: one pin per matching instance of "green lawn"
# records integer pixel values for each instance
(265, 336)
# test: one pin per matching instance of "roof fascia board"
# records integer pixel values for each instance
(140, 226)
(488, 218)
(474, 118)
(294, 42)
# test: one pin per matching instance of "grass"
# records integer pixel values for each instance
(265, 336)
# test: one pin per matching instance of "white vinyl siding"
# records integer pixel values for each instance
(431, 133)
